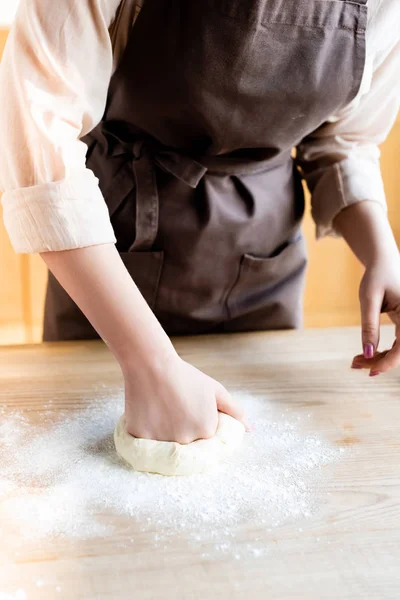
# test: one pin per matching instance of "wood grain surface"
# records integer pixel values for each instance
(349, 549)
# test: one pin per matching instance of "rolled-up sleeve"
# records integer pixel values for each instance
(54, 79)
(341, 160)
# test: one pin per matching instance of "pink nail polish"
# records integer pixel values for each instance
(374, 373)
(368, 351)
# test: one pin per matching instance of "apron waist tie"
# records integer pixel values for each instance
(145, 155)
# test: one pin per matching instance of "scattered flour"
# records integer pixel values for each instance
(19, 595)
(65, 479)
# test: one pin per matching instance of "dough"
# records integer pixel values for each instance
(171, 458)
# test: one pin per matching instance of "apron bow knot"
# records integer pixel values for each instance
(145, 154)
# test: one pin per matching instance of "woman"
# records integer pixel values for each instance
(188, 113)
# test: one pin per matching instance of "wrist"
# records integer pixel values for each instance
(384, 256)
(367, 231)
(151, 357)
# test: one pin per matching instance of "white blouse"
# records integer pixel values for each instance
(54, 79)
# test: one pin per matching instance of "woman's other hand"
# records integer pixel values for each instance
(379, 292)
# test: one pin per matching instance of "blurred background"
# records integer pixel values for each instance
(331, 297)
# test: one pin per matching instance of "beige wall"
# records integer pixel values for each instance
(332, 282)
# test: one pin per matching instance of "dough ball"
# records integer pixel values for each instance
(171, 458)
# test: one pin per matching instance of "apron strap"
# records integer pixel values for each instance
(180, 166)
(146, 198)
(146, 154)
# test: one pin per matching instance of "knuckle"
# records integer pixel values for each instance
(367, 294)
(394, 362)
(368, 329)
(184, 440)
(387, 363)
(207, 432)
(204, 431)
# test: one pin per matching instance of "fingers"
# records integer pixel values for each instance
(388, 360)
(381, 362)
(360, 362)
(227, 405)
(371, 305)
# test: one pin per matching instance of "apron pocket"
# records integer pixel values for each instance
(267, 281)
(145, 269)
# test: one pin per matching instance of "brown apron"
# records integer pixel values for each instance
(193, 156)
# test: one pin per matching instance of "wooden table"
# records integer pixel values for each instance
(350, 549)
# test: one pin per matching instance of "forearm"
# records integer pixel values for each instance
(367, 230)
(97, 280)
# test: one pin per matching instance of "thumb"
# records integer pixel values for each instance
(371, 305)
(227, 405)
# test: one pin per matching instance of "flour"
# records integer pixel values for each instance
(19, 595)
(65, 479)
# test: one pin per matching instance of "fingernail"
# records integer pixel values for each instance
(356, 366)
(368, 351)
(374, 373)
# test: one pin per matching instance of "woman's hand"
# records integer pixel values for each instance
(166, 398)
(379, 292)
(367, 231)
(174, 401)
